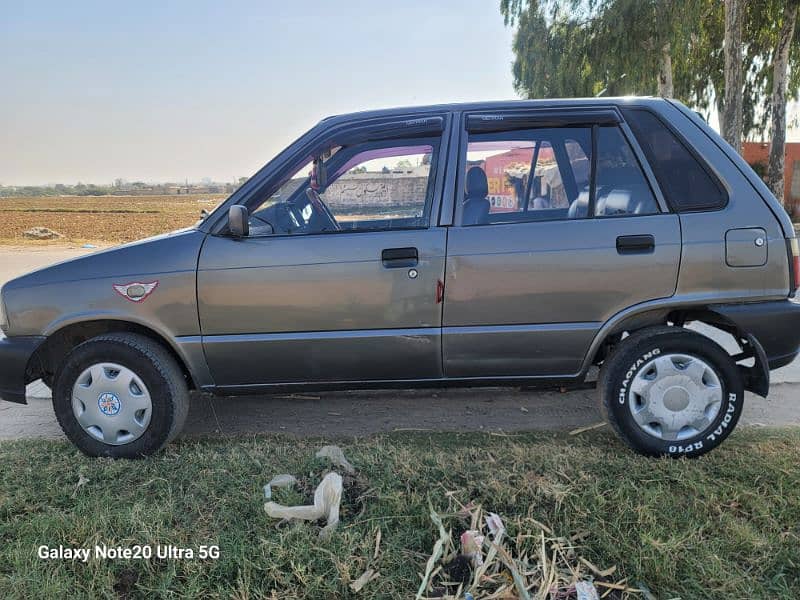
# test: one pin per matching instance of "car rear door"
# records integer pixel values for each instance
(566, 245)
(357, 304)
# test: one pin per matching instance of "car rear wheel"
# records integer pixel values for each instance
(120, 395)
(671, 392)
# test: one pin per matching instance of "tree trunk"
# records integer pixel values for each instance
(665, 87)
(780, 63)
(719, 101)
(731, 118)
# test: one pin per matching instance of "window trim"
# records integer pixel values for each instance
(593, 173)
(529, 186)
(461, 169)
(580, 119)
(360, 147)
(450, 211)
(551, 118)
(320, 136)
(416, 129)
(692, 152)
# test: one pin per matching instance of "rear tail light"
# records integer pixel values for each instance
(794, 257)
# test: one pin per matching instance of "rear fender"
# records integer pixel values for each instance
(755, 377)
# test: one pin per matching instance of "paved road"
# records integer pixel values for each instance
(358, 413)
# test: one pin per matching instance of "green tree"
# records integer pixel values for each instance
(622, 46)
(740, 56)
(552, 56)
(784, 41)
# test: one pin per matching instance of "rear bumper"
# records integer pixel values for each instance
(15, 352)
(776, 326)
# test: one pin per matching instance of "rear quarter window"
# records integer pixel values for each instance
(687, 185)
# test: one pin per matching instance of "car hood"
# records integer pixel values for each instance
(169, 252)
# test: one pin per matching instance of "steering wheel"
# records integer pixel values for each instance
(321, 209)
(294, 217)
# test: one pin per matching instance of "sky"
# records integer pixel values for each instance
(169, 90)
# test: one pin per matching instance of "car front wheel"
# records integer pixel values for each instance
(120, 395)
(671, 392)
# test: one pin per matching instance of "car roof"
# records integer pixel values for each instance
(492, 105)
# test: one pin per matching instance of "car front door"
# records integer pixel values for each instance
(338, 280)
(558, 227)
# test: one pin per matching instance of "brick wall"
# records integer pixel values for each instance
(758, 152)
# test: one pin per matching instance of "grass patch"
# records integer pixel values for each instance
(726, 525)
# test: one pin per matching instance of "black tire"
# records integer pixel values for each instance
(157, 369)
(632, 355)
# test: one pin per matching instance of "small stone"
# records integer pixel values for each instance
(41, 233)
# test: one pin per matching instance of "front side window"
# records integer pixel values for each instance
(371, 186)
(546, 174)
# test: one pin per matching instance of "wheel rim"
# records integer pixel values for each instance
(111, 403)
(675, 397)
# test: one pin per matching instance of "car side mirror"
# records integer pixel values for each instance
(238, 221)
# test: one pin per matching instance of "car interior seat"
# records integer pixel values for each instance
(476, 205)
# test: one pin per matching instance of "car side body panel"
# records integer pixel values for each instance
(321, 307)
(562, 278)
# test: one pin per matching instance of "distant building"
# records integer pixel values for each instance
(757, 155)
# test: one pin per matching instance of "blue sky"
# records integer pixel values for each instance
(167, 90)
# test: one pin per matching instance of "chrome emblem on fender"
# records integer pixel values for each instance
(136, 291)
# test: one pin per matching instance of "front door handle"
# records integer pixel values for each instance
(636, 244)
(397, 258)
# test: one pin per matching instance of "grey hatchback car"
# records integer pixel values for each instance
(474, 244)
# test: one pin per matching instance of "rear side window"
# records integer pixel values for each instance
(547, 174)
(526, 175)
(621, 186)
(686, 184)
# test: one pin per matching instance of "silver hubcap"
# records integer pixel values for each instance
(111, 403)
(675, 397)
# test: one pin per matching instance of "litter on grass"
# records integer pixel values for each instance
(284, 480)
(81, 482)
(471, 542)
(336, 456)
(531, 565)
(327, 499)
(365, 578)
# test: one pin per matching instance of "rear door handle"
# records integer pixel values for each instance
(636, 244)
(397, 258)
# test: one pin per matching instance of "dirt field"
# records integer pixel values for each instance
(105, 219)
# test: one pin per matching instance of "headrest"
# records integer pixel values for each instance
(615, 202)
(579, 206)
(477, 184)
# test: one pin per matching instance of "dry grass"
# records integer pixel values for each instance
(103, 219)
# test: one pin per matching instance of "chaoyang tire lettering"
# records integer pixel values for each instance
(623, 391)
(638, 349)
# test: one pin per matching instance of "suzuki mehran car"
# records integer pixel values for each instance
(469, 245)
